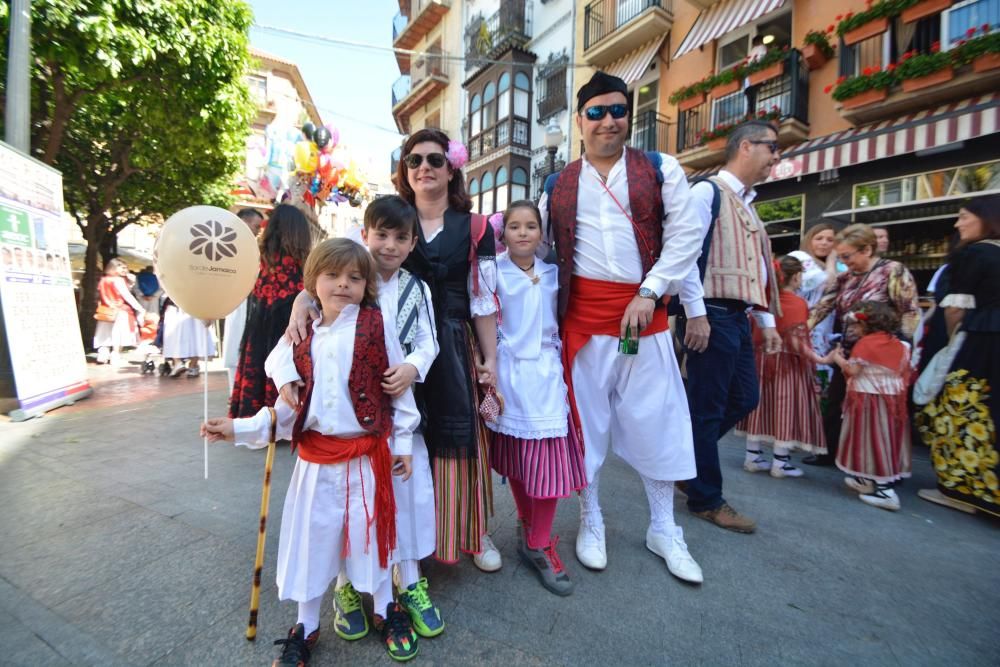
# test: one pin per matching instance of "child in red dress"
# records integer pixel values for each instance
(875, 439)
(788, 415)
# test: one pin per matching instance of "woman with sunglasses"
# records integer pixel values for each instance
(868, 278)
(463, 292)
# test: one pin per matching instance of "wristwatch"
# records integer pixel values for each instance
(647, 293)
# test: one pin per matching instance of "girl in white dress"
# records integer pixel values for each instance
(185, 339)
(534, 448)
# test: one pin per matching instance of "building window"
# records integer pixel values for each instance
(475, 123)
(486, 203)
(518, 184)
(552, 88)
(522, 91)
(258, 87)
(433, 120)
(474, 194)
(781, 217)
(969, 14)
(503, 102)
(502, 192)
(950, 182)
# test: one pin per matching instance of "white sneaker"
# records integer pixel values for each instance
(759, 464)
(591, 549)
(674, 550)
(884, 498)
(178, 371)
(193, 372)
(784, 469)
(487, 560)
(860, 485)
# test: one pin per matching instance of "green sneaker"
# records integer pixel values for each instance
(349, 621)
(397, 633)
(424, 614)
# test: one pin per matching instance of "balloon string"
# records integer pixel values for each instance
(205, 404)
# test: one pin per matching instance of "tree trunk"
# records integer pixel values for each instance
(93, 232)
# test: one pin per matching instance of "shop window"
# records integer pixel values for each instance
(953, 181)
(781, 217)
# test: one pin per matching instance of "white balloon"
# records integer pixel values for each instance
(207, 260)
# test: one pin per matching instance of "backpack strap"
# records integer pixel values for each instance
(674, 307)
(477, 230)
(656, 159)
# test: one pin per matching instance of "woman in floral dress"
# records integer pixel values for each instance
(284, 245)
(959, 424)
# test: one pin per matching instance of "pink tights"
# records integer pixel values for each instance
(537, 515)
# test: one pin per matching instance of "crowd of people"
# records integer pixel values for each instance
(407, 369)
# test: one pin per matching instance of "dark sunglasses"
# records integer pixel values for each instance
(599, 111)
(414, 160)
(773, 145)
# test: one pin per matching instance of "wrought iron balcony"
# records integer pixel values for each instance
(785, 96)
(650, 132)
(508, 27)
(602, 18)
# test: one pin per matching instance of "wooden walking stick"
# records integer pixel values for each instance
(265, 501)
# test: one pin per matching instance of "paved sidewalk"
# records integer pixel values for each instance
(115, 551)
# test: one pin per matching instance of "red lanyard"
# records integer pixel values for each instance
(635, 227)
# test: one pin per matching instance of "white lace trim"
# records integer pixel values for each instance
(966, 301)
(485, 303)
(532, 429)
(539, 434)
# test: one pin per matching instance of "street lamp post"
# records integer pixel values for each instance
(553, 140)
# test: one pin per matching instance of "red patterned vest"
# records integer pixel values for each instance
(644, 199)
(372, 406)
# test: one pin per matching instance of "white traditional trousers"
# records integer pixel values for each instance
(635, 405)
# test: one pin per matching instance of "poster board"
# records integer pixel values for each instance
(45, 363)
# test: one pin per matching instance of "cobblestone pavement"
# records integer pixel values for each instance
(115, 551)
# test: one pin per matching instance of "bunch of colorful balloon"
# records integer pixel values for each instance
(327, 178)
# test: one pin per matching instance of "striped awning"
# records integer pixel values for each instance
(632, 65)
(724, 17)
(947, 124)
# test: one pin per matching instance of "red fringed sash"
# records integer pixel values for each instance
(315, 447)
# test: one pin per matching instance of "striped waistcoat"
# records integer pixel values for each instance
(739, 247)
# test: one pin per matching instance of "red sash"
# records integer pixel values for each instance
(596, 308)
(315, 447)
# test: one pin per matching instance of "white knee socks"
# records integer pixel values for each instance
(590, 508)
(382, 596)
(661, 504)
(309, 614)
(409, 573)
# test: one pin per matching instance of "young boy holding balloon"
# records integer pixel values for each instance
(339, 511)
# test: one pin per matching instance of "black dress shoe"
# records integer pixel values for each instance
(822, 460)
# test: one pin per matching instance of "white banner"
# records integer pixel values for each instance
(36, 288)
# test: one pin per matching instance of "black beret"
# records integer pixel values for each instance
(600, 84)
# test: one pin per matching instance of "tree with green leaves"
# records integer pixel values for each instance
(143, 107)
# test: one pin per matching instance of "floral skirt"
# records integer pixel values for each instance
(959, 425)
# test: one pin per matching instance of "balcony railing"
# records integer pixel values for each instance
(399, 22)
(551, 88)
(487, 38)
(430, 63)
(400, 89)
(788, 93)
(603, 17)
(649, 132)
(510, 131)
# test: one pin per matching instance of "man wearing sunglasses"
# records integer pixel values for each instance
(738, 278)
(625, 238)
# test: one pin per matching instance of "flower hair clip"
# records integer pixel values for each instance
(457, 154)
(859, 316)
